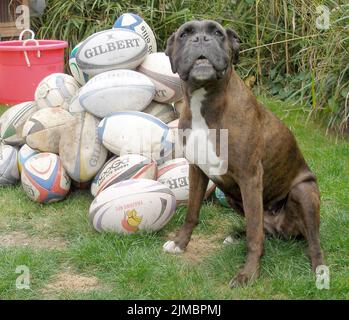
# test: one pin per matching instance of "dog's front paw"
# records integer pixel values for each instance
(242, 279)
(229, 240)
(171, 247)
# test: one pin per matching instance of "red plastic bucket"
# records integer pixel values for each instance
(23, 64)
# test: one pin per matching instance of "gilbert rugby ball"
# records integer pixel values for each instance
(12, 122)
(136, 132)
(117, 90)
(24, 153)
(175, 174)
(80, 148)
(134, 22)
(133, 205)
(56, 90)
(111, 49)
(117, 169)
(167, 84)
(79, 76)
(43, 129)
(44, 178)
(8, 165)
(162, 111)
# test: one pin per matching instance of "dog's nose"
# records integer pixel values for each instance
(201, 37)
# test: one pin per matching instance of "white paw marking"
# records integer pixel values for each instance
(229, 240)
(171, 247)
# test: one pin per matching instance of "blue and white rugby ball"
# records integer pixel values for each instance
(75, 70)
(134, 22)
(8, 165)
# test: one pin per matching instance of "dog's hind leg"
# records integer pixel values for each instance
(300, 216)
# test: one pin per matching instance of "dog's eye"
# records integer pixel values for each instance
(183, 35)
(218, 33)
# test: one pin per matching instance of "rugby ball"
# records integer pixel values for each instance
(178, 151)
(8, 165)
(136, 132)
(117, 90)
(43, 129)
(221, 198)
(111, 49)
(179, 106)
(134, 22)
(132, 205)
(157, 67)
(12, 122)
(56, 90)
(79, 76)
(24, 153)
(75, 106)
(117, 169)
(175, 175)
(173, 124)
(44, 179)
(80, 148)
(162, 111)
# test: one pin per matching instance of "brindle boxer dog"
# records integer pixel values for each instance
(266, 176)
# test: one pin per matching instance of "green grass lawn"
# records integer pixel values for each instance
(67, 259)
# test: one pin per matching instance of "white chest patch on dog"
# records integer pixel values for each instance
(199, 148)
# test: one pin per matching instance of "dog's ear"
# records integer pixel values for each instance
(234, 42)
(169, 51)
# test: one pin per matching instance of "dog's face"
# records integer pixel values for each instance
(202, 51)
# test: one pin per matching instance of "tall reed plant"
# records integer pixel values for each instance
(286, 44)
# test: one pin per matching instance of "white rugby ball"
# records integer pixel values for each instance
(175, 174)
(136, 132)
(56, 90)
(79, 76)
(24, 153)
(43, 129)
(80, 148)
(117, 90)
(75, 106)
(44, 179)
(162, 111)
(133, 205)
(173, 124)
(12, 122)
(8, 165)
(134, 22)
(117, 169)
(111, 49)
(179, 106)
(157, 67)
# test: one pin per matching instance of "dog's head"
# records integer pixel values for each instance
(202, 51)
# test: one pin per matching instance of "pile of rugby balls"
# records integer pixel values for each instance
(110, 126)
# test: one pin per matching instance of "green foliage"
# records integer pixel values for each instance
(281, 45)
